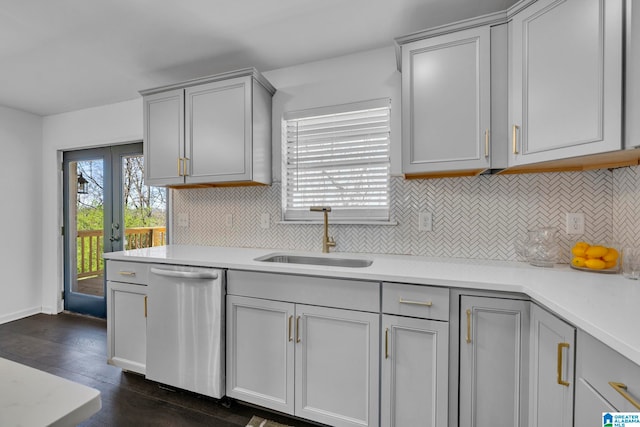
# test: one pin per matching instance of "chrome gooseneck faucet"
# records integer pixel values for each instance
(327, 242)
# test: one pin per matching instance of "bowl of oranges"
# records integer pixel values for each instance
(596, 258)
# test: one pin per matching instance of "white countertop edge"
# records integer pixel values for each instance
(29, 396)
(578, 297)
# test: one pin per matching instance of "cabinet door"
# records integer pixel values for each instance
(632, 75)
(218, 131)
(414, 372)
(337, 366)
(164, 138)
(551, 370)
(589, 405)
(127, 326)
(446, 102)
(494, 344)
(566, 79)
(260, 352)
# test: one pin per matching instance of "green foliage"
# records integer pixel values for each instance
(90, 218)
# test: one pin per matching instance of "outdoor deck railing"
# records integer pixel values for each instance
(90, 244)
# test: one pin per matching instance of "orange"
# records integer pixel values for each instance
(595, 264)
(612, 255)
(596, 252)
(579, 251)
(578, 261)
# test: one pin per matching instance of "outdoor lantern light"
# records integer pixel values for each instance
(83, 185)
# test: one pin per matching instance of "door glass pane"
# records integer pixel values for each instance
(86, 218)
(145, 208)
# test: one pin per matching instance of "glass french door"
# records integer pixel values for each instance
(107, 207)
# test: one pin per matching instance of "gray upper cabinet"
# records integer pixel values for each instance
(215, 130)
(565, 95)
(446, 103)
(632, 95)
(164, 137)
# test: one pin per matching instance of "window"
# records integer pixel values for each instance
(339, 157)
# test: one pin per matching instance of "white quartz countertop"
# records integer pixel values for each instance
(33, 398)
(606, 306)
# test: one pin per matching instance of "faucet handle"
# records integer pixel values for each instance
(320, 208)
(331, 242)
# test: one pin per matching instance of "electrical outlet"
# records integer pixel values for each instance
(265, 221)
(425, 221)
(228, 220)
(183, 219)
(575, 223)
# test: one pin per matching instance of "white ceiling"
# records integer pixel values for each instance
(64, 55)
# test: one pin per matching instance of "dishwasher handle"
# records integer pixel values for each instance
(212, 275)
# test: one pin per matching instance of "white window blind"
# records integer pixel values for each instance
(338, 157)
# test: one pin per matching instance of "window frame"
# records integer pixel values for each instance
(350, 215)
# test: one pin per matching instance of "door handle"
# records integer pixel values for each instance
(185, 274)
(561, 346)
(514, 139)
(468, 338)
(114, 238)
(622, 389)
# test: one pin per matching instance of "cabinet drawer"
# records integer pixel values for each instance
(426, 302)
(128, 272)
(599, 365)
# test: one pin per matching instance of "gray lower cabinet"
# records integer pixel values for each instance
(494, 349)
(551, 370)
(415, 355)
(606, 382)
(314, 362)
(414, 372)
(127, 315)
(260, 352)
(127, 326)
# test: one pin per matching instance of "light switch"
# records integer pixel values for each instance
(265, 221)
(425, 221)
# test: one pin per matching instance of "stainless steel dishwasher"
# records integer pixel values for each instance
(185, 328)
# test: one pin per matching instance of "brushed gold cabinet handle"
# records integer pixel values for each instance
(486, 143)
(468, 326)
(145, 306)
(423, 303)
(561, 346)
(386, 343)
(514, 139)
(290, 328)
(179, 166)
(127, 273)
(622, 389)
(184, 166)
(298, 329)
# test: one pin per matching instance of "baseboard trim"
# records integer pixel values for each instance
(6, 318)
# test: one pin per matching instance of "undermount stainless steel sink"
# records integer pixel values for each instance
(316, 260)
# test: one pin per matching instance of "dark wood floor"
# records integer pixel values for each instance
(75, 347)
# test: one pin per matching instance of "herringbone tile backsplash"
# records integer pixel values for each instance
(477, 217)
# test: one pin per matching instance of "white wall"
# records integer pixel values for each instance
(20, 183)
(92, 127)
